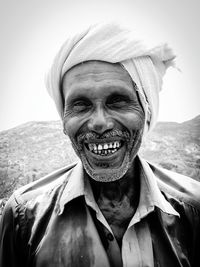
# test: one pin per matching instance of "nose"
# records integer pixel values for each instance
(99, 122)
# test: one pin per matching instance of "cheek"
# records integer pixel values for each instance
(132, 121)
(73, 125)
(70, 126)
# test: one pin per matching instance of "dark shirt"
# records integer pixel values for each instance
(56, 222)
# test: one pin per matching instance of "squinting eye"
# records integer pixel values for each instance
(80, 106)
(117, 101)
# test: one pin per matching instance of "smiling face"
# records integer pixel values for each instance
(103, 118)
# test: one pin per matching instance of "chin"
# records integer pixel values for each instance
(108, 168)
(106, 175)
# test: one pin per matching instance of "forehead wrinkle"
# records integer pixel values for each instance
(96, 73)
(97, 67)
(95, 76)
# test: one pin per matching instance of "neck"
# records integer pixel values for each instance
(118, 200)
(127, 186)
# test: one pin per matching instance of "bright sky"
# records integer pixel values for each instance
(31, 32)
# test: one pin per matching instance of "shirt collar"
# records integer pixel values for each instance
(77, 186)
(150, 195)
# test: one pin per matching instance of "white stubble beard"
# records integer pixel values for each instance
(109, 174)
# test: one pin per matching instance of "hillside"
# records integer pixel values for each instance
(34, 149)
(175, 146)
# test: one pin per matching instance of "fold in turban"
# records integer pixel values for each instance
(110, 42)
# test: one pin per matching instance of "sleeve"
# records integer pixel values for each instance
(10, 255)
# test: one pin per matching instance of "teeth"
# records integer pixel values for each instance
(91, 146)
(105, 146)
(100, 147)
(104, 149)
(117, 144)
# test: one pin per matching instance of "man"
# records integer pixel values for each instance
(112, 208)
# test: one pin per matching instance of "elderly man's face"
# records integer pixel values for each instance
(103, 118)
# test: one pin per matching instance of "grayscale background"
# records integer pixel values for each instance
(31, 31)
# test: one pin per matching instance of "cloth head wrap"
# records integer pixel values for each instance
(110, 42)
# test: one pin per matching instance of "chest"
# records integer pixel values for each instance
(118, 215)
(72, 239)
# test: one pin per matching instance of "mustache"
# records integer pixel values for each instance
(90, 136)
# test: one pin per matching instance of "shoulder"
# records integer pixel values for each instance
(44, 185)
(38, 194)
(30, 205)
(177, 186)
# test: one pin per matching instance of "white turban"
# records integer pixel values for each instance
(110, 42)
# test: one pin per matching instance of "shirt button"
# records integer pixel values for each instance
(110, 237)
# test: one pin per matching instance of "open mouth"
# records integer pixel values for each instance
(104, 149)
(105, 157)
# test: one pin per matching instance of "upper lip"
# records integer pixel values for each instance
(103, 141)
(108, 137)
